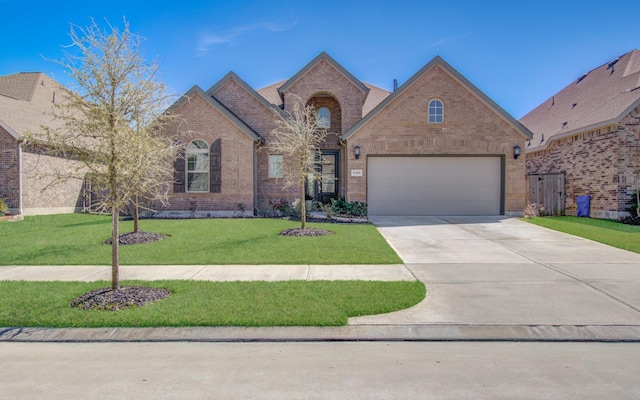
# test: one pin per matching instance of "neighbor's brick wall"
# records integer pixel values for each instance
(470, 127)
(600, 163)
(42, 191)
(199, 120)
(9, 185)
(628, 159)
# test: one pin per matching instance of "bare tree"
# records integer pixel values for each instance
(298, 137)
(110, 122)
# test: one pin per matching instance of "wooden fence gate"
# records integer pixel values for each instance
(548, 190)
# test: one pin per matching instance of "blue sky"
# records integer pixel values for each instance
(518, 52)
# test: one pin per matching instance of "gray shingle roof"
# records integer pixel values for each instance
(601, 97)
(26, 101)
(375, 96)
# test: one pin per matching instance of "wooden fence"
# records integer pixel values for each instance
(548, 190)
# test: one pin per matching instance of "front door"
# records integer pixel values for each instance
(327, 188)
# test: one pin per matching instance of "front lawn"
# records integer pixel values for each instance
(203, 303)
(609, 232)
(75, 239)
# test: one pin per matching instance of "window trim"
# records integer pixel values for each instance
(435, 111)
(189, 151)
(272, 164)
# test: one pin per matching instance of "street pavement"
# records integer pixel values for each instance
(487, 278)
(320, 370)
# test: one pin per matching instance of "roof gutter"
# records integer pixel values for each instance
(588, 128)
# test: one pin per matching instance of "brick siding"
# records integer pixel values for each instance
(601, 163)
(9, 184)
(470, 127)
(199, 120)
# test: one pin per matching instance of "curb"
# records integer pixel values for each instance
(427, 333)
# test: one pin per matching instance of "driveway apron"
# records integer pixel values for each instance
(503, 271)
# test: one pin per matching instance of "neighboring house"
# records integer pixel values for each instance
(588, 134)
(26, 103)
(435, 146)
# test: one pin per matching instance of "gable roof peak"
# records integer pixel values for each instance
(324, 56)
(232, 76)
(212, 101)
(439, 61)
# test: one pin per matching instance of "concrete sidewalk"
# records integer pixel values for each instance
(383, 272)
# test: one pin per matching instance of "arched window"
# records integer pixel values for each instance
(197, 166)
(436, 112)
(324, 117)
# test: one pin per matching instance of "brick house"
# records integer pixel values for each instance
(436, 145)
(26, 101)
(588, 134)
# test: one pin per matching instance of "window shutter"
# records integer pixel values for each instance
(215, 167)
(179, 179)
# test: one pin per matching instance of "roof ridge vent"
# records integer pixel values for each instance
(612, 63)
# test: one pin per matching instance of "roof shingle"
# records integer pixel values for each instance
(27, 100)
(598, 98)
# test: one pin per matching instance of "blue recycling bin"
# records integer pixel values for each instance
(584, 205)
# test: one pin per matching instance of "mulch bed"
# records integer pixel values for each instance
(631, 220)
(299, 232)
(137, 238)
(114, 300)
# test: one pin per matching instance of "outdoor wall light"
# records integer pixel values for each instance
(356, 151)
(516, 152)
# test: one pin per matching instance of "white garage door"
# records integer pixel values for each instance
(434, 185)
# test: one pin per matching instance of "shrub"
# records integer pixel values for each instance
(633, 209)
(533, 210)
(285, 209)
(328, 210)
(351, 208)
(4, 208)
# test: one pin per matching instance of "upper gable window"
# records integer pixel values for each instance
(324, 117)
(436, 112)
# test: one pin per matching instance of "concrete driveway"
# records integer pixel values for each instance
(503, 271)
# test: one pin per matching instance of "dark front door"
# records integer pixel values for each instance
(327, 188)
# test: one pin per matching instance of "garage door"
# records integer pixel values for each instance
(434, 185)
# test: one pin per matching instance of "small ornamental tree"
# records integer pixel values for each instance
(110, 122)
(298, 137)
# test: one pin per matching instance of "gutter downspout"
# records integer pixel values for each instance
(20, 142)
(255, 178)
(345, 156)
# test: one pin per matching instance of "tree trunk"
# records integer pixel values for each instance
(303, 207)
(115, 263)
(136, 214)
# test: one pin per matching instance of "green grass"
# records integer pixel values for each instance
(609, 232)
(75, 239)
(195, 303)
